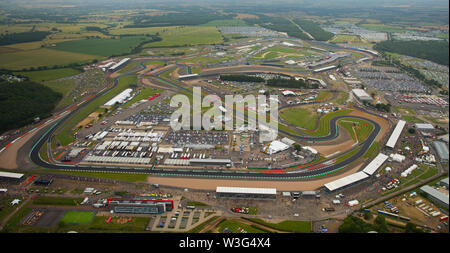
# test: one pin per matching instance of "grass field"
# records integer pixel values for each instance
(412, 119)
(41, 57)
(102, 47)
(143, 94)
(48, 75)
(300, 117)
(383, 28)
(128, 67)
(226, 22)
(323, 95)
(77, 217)
(288, 226)
(186, 36)
(373, 150)
(235, 225)
(108, 175)
(57, 201)
(362, 128)
(346, 39)
(7, 208)
(65, 133)
(324, 124)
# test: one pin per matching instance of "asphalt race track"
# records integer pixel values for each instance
(305, 173)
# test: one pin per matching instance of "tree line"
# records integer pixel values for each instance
(13, 38)
(314, 29)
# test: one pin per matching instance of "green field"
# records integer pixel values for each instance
(186, 36)
(383, 28)
(48, 75)
(102, 47)
(109, 175)
(288, 226)
(196, 203)
(143, 94)
(362, 128)
(235, 225)
(57, 201)
(226, 22)
(300, 117)
(7, 208)
(412, 119)
(41, 57)
(346, 39)
(128, 67)
(323, 94)
(324, 124)
(77, 217)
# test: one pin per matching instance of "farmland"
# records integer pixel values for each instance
(102, 47)
(48, 75)
(186, 36)
(42, 57)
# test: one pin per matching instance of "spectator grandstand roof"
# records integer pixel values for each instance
(396, 134)
(11, 175)
(346, 181)
(375, 164)
(267, 191)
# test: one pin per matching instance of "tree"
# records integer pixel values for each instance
(367, 215)
(354, 224)
(412, 228)
(380, 224)
(297, 147)
(411, 130)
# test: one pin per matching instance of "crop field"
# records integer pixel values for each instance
(48, 75)
(77, 217)
(186, 36)
(41, 57)
(102, 47)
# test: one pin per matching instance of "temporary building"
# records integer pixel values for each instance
(408, 171)
(397, 157)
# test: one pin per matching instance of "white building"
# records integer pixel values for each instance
(275, 147)
(362, 95)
